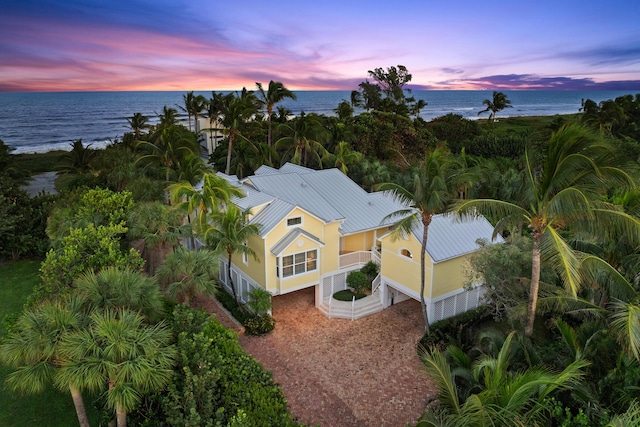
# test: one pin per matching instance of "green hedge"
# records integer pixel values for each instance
(215, 382)
(457, 330)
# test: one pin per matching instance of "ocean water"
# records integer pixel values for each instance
(34, 122)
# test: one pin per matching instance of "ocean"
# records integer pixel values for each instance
(33, 122)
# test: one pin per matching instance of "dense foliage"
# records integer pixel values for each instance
(581, 364)
(217, 384)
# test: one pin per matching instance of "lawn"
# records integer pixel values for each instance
(51, 408)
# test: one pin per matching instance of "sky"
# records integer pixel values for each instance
(117, 45)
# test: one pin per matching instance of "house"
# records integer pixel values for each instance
(317, 226)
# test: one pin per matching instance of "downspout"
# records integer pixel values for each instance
(430, 311)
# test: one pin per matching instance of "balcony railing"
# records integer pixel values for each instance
(354, 258)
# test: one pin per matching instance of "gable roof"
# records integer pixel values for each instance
(331, 196)
(290, 237)
(451, 236)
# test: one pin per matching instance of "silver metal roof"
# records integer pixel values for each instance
(266, 170)
(451, 236)
(291, 168)
(290, 237)
(294, 189)
(361, 210)
(330, 195)
(271, 215)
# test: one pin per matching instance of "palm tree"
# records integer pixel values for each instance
(137, 123)
(228, 231)
(302, 140)
(275, 93)
(120, 352)
(345, 156)
(114, 288)
(33, 348)
(168, 146)
(432, 187)
(566, 191)
(501, 397)
(161, 229)
(344, 111)
(216, 193)
(78, 160)
(236, 110)
(498, 103)
(356, 99)
(374, 172)
(193, 106)
(188, 273)
(168, 117)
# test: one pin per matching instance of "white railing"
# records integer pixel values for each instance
(375, 283)
(375, 255)
(354, 258)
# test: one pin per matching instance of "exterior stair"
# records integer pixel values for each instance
(343, 309)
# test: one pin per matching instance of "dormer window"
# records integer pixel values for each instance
(295, 221)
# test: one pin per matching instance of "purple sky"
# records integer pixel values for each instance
(81, 45)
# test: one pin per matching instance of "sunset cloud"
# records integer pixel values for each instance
(81, 45)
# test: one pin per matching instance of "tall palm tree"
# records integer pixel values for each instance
(433, 186)
(275, 93)
(161, 229)
(237, 109)
(33, 348)
(188, 273)
(137, 123)
(498, 103)
(228, 231)
(303, 139)
(119, 352)
(193, 106)
(501, 397)
(114, 288)
(564, 192)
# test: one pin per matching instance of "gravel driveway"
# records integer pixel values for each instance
(337, 372)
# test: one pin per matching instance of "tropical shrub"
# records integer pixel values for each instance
(259, 325)
(259, 301)
(357, 281)
(371, 270)
(215, 382)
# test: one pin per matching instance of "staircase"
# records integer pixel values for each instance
(344, 309)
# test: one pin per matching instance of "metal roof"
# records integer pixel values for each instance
(294, 189)
(271, 215)
(330, 195)
(291, 168)
(266, 170)
(361, 210)
(451, 236)
(290, 237)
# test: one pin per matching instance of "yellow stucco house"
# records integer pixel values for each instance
(317, 226)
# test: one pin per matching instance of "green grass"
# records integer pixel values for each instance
(51, 408)
(347, 295)
(39, 162)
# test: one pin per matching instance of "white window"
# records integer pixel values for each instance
(406, 252)
(245, 256)
(292, 222)
(299, 263)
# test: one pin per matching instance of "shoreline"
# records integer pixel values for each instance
(20, 151)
